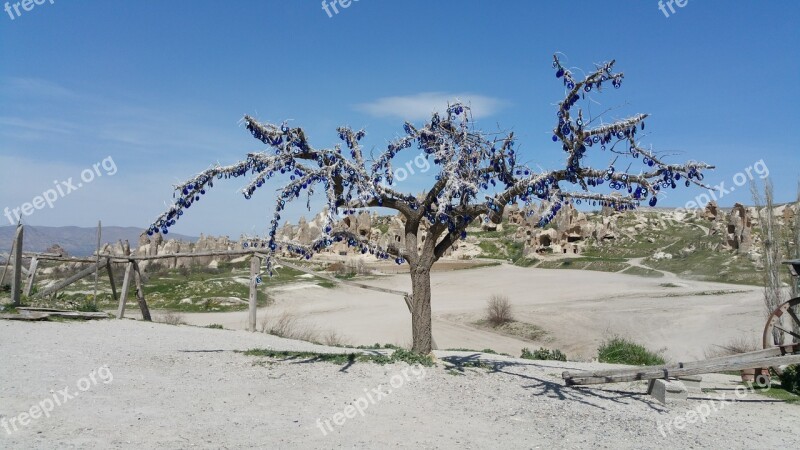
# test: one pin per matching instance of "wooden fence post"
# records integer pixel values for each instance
(8, 262)
(16, 280)
(140, 294)
(31, 276)
(126, 283)
(111, 279)
(62, 284)
(97, 262)
(255, 264)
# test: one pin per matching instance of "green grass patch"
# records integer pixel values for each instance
(618, 350)
(515, 328)
(486, 350)
(642, 272)
(399, 355)
(543, 354)
(777, 393)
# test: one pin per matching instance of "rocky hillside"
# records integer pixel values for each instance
(76, 241)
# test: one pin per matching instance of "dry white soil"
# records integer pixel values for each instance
(185, 387)
(577, 308)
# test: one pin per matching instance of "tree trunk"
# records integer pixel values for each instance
(421, 309)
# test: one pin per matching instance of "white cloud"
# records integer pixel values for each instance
(36, 87)
(421, 106)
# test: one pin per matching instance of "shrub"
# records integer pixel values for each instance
(790, 379)
(498, 311)
(215, 326)
(287, 327)
(619, 350)
(543, 354)
(735, 346)
(172, 318)
(88, 305)
(333, 339)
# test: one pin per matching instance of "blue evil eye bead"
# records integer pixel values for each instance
(677, 176)
(285, 128)
(559, 73)
(688, 183)
(555, 139)
(579, 122)
(588, 87)
(653, 201)
(258, 280)
(571, 85)
(642, 125)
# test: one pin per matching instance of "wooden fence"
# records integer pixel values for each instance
(100, 262)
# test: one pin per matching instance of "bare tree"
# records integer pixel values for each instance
(770, 245)
(478, 175)
(793, 240)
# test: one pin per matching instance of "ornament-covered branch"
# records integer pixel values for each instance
(477, 175)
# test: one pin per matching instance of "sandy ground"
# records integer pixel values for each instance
(185, 387)
(578, 309)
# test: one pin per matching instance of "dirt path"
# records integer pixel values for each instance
(162, 386)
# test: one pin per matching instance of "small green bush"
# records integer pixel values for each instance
(543, 354)
(215, 326)
(411, 358)
(88, 306)
(790, 380)
(619, 350)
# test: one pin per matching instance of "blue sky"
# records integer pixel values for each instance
(160, 88)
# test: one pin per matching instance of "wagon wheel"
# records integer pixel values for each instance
(781, 329)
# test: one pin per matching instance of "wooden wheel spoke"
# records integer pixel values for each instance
(788, 332)
(794, 316)
(775, 324)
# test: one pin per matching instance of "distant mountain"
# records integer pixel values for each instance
(77, 241)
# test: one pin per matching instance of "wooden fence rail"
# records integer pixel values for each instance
(103, 261)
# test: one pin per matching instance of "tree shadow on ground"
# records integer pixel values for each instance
(550, 388)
